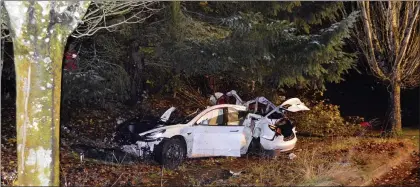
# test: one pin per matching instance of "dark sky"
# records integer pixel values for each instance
(363, 95)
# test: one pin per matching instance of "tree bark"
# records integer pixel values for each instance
(1, 70)
(38, 44)
(136, 71)
(370, 52)
(176, 19)
(176, 35)
(396, 107)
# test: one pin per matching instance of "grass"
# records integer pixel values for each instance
(343, 143)
(330, 162)
(319, 161)
(413, 134)
(309, 168)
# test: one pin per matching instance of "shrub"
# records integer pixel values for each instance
(96, 85)
(323, 120)
(99, 77)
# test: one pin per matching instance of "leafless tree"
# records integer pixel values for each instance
(110, 14)
(389, 37)
(39, 30)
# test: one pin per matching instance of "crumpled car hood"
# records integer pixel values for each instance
(162, 128)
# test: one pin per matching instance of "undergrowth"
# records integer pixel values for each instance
(324, 119)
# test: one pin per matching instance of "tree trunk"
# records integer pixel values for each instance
(135, 68)
(1, 69)
(38, 44)
(176, 19)
(176, 35)
(396, 107)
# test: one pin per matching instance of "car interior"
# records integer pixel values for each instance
(223, 117)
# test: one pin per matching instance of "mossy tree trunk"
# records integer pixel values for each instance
(177, 17)
(176, 35)
(396, 106)
(40, 31)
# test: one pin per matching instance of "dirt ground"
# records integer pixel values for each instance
(406, 174)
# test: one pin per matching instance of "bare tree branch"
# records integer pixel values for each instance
(370, 55)
(111, 14)
(390, 41)
(389, 22)
(407, 35)
(3, 26)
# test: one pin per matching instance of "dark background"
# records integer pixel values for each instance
(363, 95)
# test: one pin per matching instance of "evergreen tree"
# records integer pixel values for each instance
(266, 47)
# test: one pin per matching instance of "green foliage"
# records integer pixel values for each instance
(99, 76)
(325, 120)
(270, 51)
(239, 42)
(306, 15)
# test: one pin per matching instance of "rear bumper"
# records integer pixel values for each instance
(278, 144)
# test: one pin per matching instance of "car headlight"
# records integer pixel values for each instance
(153, 135)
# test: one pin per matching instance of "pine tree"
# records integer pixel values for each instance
(268, 47)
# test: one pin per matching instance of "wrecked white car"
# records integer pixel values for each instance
(220, 130)
(259, 105)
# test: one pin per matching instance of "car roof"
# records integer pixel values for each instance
(237, 107)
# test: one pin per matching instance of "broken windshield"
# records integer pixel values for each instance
(173, 116)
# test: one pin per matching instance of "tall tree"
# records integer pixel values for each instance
(39, 32)
(389, 38)
(259, 46)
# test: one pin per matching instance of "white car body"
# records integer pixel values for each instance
(205, 139)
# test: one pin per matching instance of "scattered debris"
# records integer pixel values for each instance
(292, 156)
(235, 173)
(120, 120)
(82, 156)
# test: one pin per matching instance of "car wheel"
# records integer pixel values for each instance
(170, 153)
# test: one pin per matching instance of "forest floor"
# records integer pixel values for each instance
(319, 161)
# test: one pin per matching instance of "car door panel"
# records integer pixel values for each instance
(217, 141)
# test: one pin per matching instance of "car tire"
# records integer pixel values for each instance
(170, 153)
